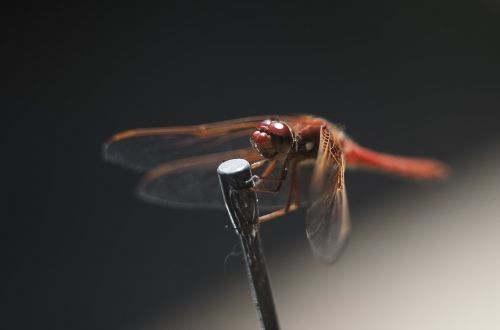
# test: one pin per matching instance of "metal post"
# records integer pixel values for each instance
(235, 177)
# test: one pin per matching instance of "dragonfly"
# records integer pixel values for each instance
(300, 161)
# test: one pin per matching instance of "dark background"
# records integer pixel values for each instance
(79, 251)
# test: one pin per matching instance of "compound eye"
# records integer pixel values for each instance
(266, 122)
(272, 137)
(281, 136)
(278, 128)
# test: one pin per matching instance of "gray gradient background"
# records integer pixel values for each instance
(80, 252)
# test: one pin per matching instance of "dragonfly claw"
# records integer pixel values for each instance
(253, 180)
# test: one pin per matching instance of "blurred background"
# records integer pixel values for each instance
(79, 251)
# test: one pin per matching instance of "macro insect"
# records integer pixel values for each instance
(180, 164)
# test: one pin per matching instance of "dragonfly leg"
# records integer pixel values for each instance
(258, 164)
(265, 177)
(293, 201)
(269, 169)
(294, 195)
(278, 213)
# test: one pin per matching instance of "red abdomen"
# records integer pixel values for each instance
(416, 168)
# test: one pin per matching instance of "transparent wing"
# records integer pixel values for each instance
(190, 182)
(181, 162)
(145, 148)
(327, 219)
(193, 182)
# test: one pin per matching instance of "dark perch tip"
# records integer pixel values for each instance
(235, 177)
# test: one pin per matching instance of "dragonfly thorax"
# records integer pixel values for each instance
(272, 138)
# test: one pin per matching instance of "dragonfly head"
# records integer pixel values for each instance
(272, 138)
